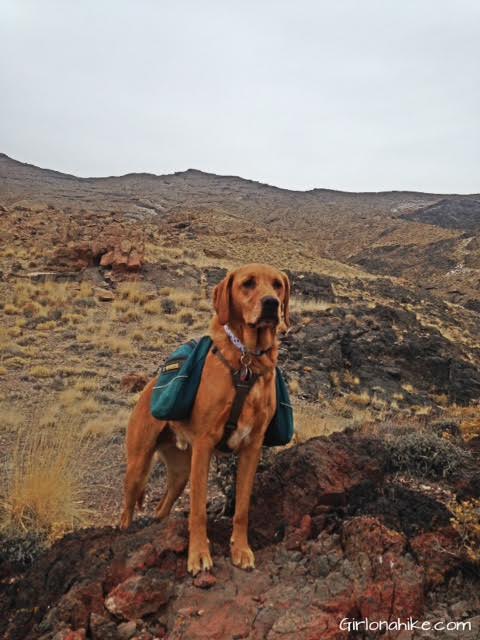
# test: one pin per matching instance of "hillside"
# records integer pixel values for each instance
(433, 240)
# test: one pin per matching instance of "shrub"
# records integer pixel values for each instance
(45, 483)
(169, 306)
(423, 453)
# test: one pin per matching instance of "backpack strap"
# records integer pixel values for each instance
(243, 384)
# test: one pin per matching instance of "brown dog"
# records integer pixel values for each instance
(252, 301)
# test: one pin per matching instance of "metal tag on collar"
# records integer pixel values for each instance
(245, 371)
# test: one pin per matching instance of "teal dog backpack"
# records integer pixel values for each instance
(177, 385)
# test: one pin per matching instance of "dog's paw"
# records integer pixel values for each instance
(199, 560)
(125, 521)
(242, 556)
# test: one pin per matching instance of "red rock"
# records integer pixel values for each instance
(223, 619)
(110, 250)
(143, 558)
(135, 261)
(139, 595)
(104, 295)
(438, 552)
(368, 535)
(117, 572)
(107, 259)
(359, 568)
(297, 535)
(318, 473)
(102, 628)
(78, 634)
(78, 603)
(174, 536)
(204, 580)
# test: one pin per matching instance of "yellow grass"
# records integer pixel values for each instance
(10, 309)
(10, 417)
(294, 386)
(466, 522)
(107, 424)
(45, 483)
(183, 297)
(153, 307)
(360, 399)
(350, 379)
(311, 421)
(133, 292)
(301, 305)
(41, 371)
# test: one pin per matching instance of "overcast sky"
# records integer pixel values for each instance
(361, 95)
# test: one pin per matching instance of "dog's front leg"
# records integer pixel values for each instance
(198, 550)
(242, 555)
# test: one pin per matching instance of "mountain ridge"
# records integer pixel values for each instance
(207, 174)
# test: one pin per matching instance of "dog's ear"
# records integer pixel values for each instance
(221, 298)
(286, 299)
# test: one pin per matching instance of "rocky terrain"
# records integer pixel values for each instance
(431, 239)
(337, 536)
(100, 279)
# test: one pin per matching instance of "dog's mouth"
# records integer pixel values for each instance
(265, 321)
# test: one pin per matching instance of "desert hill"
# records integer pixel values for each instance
(431, 239)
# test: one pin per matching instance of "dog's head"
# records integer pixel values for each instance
(256, 295)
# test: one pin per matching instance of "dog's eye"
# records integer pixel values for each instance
(277, 284)
(250, 283)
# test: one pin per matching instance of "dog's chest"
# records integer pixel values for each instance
(260, 403)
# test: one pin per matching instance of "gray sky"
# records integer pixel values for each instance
(345, 94)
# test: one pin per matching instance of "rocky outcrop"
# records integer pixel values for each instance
(326, 550)
(111, 251)
(385, 349)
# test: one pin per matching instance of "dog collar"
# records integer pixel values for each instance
(234, 340)
(239, 344)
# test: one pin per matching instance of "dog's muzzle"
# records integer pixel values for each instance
(269, 316)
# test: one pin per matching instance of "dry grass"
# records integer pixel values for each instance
(45, 481)
(360, 399)
(134, 292)
(334, 379)
(184, 298)
(350, 379)
(10, 417)
(466, 522)
(467, 418)
(10, 309)
(294, 386)
(107, 424)
(153, 307)
(41, 371)
(302, 305)
(310, 421)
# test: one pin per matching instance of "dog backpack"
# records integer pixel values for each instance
(177, 385)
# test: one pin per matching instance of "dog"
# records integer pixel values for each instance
(251, 306)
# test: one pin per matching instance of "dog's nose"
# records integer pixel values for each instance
(269, 304)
